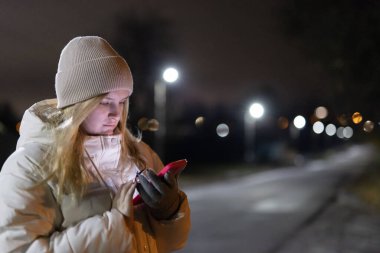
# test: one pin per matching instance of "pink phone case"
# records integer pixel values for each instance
(175, 167)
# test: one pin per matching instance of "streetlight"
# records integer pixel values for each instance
(169, 76)
(299, 122)
(254, 112)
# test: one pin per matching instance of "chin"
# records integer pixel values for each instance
(109, 132)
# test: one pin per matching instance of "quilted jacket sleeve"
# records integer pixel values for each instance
(30, 216)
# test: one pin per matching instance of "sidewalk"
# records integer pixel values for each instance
(345, 226)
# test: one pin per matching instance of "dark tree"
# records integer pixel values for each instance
(146, 43)
(344, 36)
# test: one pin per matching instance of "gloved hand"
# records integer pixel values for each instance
(123, 199)
(161, 195)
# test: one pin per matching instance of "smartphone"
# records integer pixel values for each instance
(175, 167)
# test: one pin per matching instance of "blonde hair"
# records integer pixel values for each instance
(65, 165)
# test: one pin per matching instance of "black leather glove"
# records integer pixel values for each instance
(161, 195)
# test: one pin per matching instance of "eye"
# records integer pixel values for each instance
(123, 102)
(105, 103)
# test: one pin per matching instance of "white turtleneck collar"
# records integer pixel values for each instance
(104, 156)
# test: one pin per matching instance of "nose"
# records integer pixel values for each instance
(115, 111)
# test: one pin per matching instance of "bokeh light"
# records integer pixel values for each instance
(199, 121)
(342, 119)
(330, 129)
(299, 122)
(348, 132)
(18, 125)
(283, 123)
(357, 118)
(368, 126)
(170, 75)
(321, 112)
(145, 124)
(142, 124)
(153, 125)
(256, 110)
(339, 132)
(222, 130)
(318, 127)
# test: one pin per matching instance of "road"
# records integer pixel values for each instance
(258, 213)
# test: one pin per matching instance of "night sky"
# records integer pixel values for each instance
(227, 51)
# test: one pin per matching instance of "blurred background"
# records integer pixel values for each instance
(241, 89)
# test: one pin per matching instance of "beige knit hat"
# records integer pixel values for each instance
(89, 67)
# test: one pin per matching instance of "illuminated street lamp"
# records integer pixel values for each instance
(169, 76)
(299, 122)
(254, 112)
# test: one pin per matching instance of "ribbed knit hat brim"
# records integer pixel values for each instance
(89, 67)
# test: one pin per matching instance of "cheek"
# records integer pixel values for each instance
(93, 122)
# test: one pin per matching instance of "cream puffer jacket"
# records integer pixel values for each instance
(31, 220)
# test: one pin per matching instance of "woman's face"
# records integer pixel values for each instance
(105, 117)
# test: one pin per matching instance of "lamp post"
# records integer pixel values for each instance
(169, 76)
(254, 112)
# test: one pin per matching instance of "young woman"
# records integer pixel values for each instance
(69, 185)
